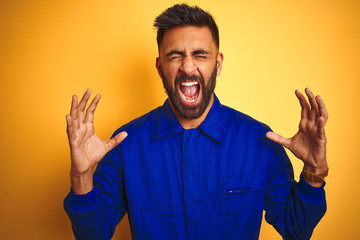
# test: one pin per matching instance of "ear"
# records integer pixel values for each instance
(157, 65)
(219, 61)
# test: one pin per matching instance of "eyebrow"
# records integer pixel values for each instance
(178, 52)
(200, 51)
(174, 52)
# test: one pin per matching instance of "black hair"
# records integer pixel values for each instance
(185, 15)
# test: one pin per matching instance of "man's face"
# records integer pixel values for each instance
(188, 64)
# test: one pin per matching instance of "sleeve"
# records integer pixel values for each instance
(96, 214)
(293, 208)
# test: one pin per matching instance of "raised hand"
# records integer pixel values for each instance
(86, 148)
(309, 143)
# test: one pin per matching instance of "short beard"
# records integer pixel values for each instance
(190, 112)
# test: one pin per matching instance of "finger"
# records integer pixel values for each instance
(69, 129)
(321, 128)
(68, 122)
(314, 107)
(84, 99)
(322, 109)
(73, 108)
(286, 142)
(91, 109)
(110, 144)
(82, 105)
(304, 105)
(74, 112)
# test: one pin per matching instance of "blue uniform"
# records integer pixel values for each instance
(212, 182)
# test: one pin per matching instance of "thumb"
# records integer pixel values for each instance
(279, 139)
(110, 144)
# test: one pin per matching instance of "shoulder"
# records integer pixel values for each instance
(250, 132)
(235, 119)
(145, 123)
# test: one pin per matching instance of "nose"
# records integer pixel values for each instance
(188, 66)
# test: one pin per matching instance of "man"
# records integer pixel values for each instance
(193, 168)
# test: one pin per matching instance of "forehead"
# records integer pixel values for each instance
(187, 38)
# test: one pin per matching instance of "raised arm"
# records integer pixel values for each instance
(86, 148)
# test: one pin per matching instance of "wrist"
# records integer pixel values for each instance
(319, 169)
(315, 179)
(81, 183)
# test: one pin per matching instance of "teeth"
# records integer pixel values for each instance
(187, 99)
(188, 84)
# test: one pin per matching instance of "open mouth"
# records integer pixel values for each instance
(189, 91)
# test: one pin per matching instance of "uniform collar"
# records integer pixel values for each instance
(214, 123)
(212, 126)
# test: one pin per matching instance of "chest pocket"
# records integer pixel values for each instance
(243, 193)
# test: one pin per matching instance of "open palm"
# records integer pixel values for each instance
(309, 143)
(86, 148)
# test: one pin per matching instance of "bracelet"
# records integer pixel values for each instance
(315, 178)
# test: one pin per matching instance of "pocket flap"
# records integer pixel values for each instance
(243, 184)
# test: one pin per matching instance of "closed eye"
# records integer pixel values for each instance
(201, 56)
(175, 57)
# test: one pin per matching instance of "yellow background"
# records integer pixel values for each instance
(50, 50)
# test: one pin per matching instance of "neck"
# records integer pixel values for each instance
(192, 123)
